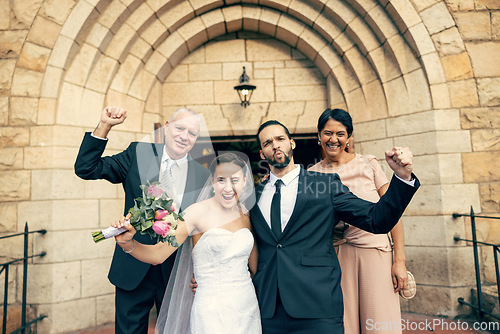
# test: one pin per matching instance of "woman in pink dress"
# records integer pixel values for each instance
(373, 271)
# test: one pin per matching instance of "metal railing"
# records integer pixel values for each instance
(5, 268)
(480, 302)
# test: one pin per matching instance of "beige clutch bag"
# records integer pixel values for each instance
(411, 289)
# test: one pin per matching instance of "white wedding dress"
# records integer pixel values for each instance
(225, 300)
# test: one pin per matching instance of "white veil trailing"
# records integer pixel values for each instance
(174, 316)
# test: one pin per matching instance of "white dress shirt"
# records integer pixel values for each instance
(179, 174)
(289, 190)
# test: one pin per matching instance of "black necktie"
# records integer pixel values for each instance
(276, 210)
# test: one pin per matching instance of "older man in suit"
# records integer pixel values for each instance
(298, 274)
(140, 285)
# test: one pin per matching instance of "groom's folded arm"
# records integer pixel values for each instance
(378, 217)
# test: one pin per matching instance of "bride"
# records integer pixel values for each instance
(219, 248)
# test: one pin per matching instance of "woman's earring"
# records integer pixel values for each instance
(347, 145)
(319, 143)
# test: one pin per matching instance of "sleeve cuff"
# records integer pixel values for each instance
(411, 182)
(92, 134)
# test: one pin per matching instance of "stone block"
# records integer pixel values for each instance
(381, 23)
(94, 277)
(46, 111)
(490, 197)
(11, 158)
(268, 64)
(71, 96)
(398, 102)
(419, 39)
(14, 137)
(485, 140)
(307, 122)
(148, 119)
(267, 50)
(68, 316)
(4, 111)
(480, 118)
(476, 170)
(460, 5)
(370, 130)
(418, 90)
(66, 136)
(440, 96)
(201, 6)
(78, 20)
(102, 73)
(361, 67)
(15, 185)
(463, 93)
(57, 10)
(453, 141)
(34, 57)
(251, 17)
(456, 197)
(4, 16)
(119, 140)
(298, 63)
(9, 217)
(288, 30)
(55, 184)
(363, 35)
(268, 21)
(385, 64)
(245, 121)
(327, 28)
(214, 21)
(375, 147)
(110, 210)
(329, 62)
(448, 42)
(489, 91)
(205, 72)
(484, 60)
(457, 67)
(51, 82)
(49, 157)
(99, 36)
(11, 296)
(377, 106)
(23, 111)
(174, 48)
(117, 47)
(178, 93)
(142, 84)
(26, 83)
(438, 300)
(429, 265)
(286, 112)
(474, 25)
(225, 51)
(11, 43)
(104, 312)
(449, 168)
(54, 283)
(217, 124)
(298, 76)
(232, 71)
(178, 74)
(310, 42)
(437, 18)
(443, 230)
(301, 93)
(403, 14)
(306, 12)
(495, 25)
(6, 71)
(233, 17)
(433, 68)
(194, 33)
(44, 32)
(81, 66)
(124, 76)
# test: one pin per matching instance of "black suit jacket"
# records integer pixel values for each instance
(136, 165)
(302, 263)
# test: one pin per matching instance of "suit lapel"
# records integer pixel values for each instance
(257, 215)
(149, 168)
(300, 202)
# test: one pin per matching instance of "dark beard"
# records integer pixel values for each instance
(280, 165)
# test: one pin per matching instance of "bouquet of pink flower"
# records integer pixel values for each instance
(153, 214)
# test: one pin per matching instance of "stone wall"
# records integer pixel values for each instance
(418, 73)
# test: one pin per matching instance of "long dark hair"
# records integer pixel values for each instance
(339, 115)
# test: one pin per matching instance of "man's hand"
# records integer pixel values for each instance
(110, 117)
(400, 160)
(193, 285)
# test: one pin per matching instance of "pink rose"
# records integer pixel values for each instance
(172, 208)
(159, 214)
(154, 191)
(160, 227)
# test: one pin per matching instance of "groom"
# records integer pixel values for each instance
(298, 274)
(140, 285)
